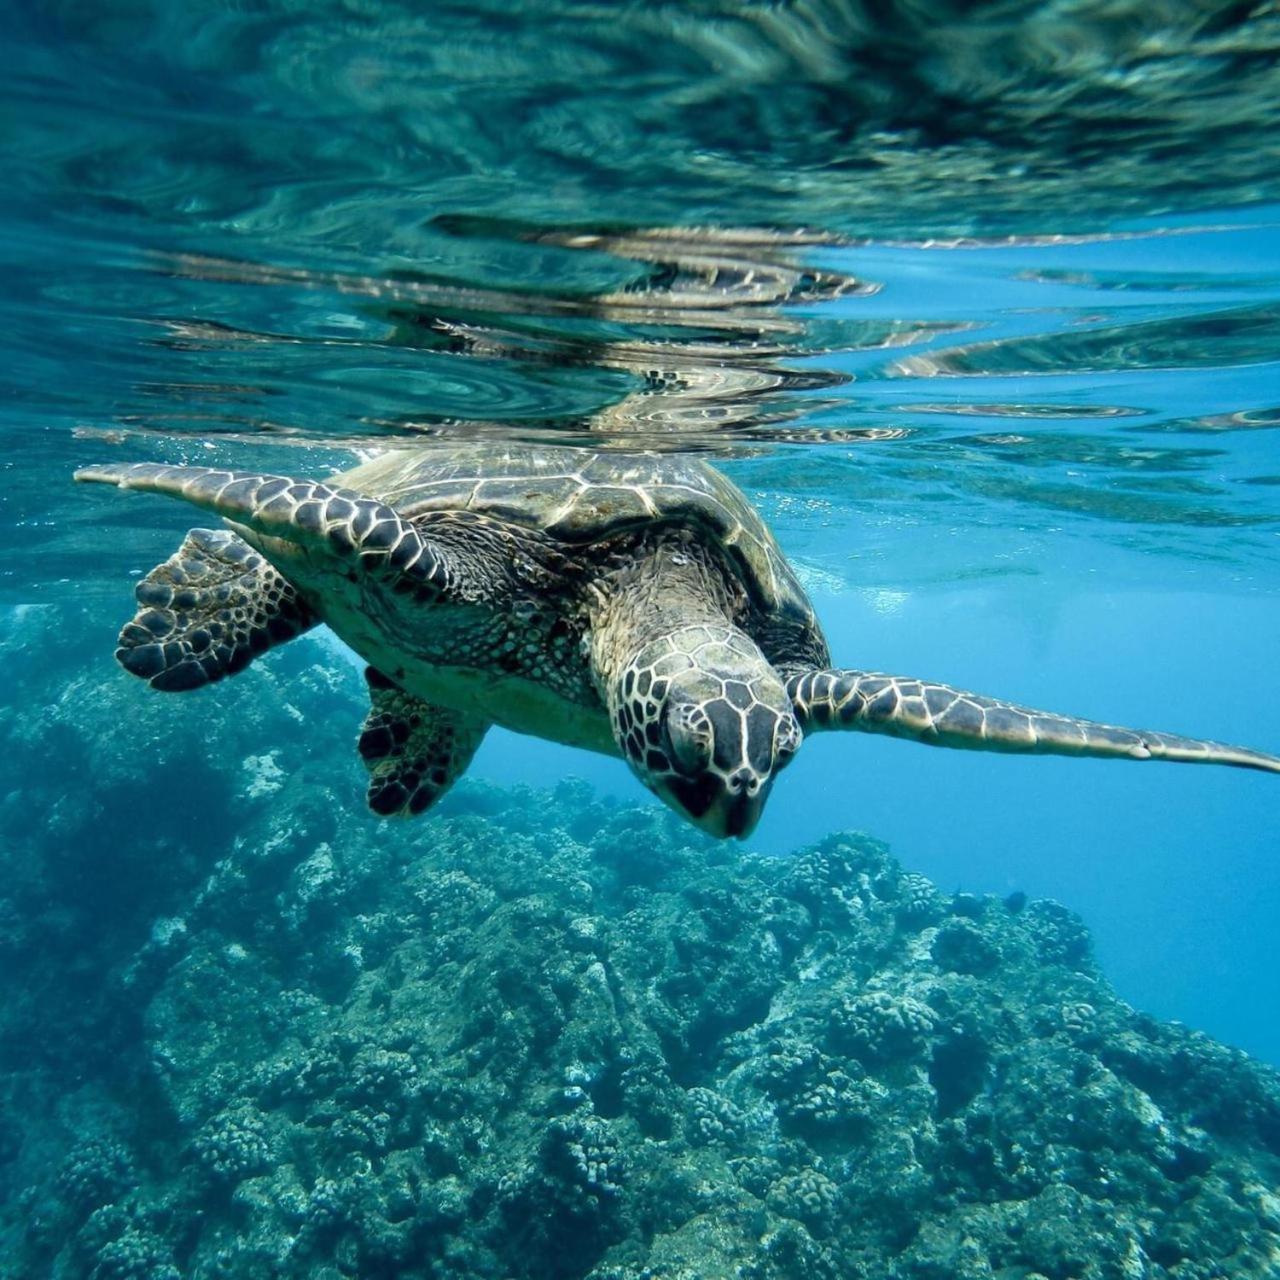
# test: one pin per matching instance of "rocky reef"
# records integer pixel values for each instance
(251, 1031)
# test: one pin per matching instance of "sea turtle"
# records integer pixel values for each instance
(632, 604)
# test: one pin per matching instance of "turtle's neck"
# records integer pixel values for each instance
(670, 584)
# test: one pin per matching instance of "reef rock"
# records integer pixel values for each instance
(541, 1036)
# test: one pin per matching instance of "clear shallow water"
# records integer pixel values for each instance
(982, 309)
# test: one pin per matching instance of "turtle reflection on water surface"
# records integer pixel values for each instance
(633, 604)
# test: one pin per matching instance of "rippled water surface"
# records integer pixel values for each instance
(980, 303)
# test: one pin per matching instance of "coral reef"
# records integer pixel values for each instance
(253, 1031)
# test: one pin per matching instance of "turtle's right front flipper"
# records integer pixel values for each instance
(366, 533)
(941, 716)
(218, 601)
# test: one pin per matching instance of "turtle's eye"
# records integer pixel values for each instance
(688, 733)
(786, 742)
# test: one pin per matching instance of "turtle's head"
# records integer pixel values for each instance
(705, 723)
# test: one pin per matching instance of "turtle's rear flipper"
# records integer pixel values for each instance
(941, 716)
(207, 612)
(414, 750)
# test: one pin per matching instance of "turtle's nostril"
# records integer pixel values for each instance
(742, 782)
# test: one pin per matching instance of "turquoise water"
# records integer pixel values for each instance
(979, 305)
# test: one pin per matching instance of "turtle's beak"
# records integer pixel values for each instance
(740, 815)
(720, 810)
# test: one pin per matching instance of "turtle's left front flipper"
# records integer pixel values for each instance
(414, 750)
(940, 716)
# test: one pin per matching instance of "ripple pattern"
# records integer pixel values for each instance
(954, 255)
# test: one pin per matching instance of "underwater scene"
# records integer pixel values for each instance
(503, 505)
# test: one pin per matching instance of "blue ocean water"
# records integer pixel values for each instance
(979, 305)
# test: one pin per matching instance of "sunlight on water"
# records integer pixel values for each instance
(973, 373)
